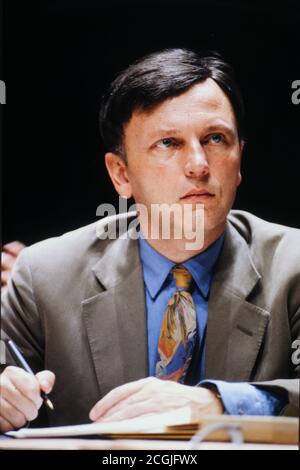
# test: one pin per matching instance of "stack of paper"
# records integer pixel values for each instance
(180, 424)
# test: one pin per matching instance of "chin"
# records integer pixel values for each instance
(214, 221)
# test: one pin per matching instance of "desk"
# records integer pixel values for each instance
(126, 444)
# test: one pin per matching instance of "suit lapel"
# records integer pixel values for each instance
(236, 327)
(116, 318)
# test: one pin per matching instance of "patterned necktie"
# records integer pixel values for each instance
(178, 331)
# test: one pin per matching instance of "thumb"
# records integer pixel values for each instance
(46, 379)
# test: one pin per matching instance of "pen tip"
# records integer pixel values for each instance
(49, 404)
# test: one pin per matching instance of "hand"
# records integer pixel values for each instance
(9, 255)
(151, 395)
(20, 397)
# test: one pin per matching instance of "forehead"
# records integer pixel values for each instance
(203, 103)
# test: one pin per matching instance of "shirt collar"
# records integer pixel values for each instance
(156, 267)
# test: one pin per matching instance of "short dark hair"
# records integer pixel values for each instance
(156, 77)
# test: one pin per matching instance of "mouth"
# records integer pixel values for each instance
(197, 195)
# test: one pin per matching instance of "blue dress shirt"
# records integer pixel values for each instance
(238, 398)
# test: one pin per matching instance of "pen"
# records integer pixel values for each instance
(20, 360)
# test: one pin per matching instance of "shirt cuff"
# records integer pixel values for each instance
(241, 398)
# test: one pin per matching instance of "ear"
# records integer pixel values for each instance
(239, 176)
(117, 169)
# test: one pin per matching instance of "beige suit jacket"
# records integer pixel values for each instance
(76, 305)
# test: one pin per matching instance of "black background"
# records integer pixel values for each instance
(58, 57)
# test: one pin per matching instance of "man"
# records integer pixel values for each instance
(213, 323)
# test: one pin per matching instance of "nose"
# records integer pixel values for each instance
(196, 164)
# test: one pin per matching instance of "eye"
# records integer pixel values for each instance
(166, 143)
(215, 139)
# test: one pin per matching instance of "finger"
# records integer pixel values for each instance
(46, 379)
(14, 248)
(5, 425)
(11, 394)
(132, 400)
(5, 276)
(7, 261)
(11, 414)
(27, 384)
(114, 397)
(154, 397)
(130, 410)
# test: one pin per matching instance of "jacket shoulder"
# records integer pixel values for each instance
(252, 227)
(81, 247)
(272, 246)
(59, 249)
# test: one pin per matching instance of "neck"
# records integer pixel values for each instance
(176, 249)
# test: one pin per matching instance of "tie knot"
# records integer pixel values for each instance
(182, 277)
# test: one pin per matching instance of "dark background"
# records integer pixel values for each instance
(58, 57)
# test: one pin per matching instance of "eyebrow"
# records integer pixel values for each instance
(224, 127)
(164, 131)
(210, 128)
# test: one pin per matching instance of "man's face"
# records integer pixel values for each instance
(186, 144)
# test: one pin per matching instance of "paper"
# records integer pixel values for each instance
(155, 423)
(181, 424)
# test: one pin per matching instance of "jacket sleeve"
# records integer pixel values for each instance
(289, 386)
(20, 319)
